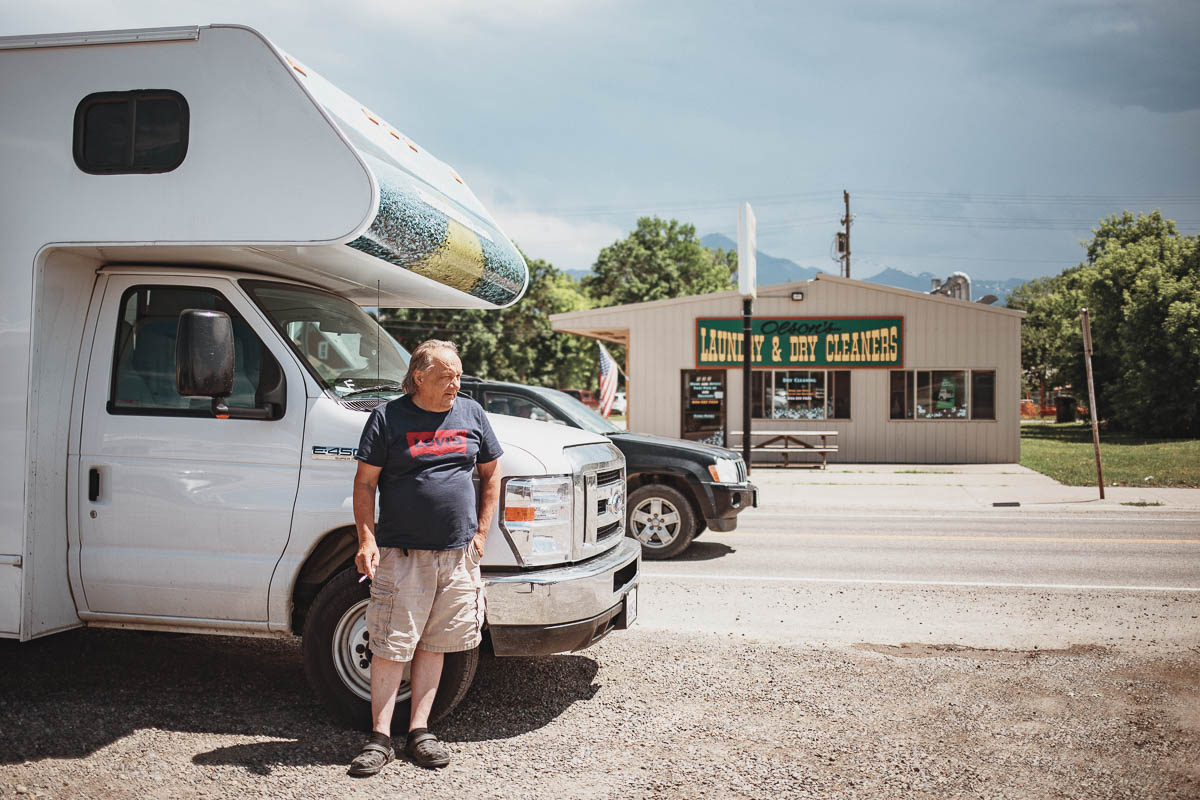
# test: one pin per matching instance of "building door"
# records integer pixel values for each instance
(704, 406)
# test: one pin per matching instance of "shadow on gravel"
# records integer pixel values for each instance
(74, 693)
(705, 551)
(512, 696)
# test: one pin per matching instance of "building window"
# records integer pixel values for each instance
(942, 394)
(901, 393)
(129, 132)
(800, 394)
(983, 394)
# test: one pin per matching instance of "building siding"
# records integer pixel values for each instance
(939, 333)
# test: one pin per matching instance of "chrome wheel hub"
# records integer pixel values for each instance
(352, 654)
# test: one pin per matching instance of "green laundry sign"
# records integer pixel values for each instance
(802, 342)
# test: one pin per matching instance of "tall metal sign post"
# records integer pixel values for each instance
(747, 278)
(1086, 324)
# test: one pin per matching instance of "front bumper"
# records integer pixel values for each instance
(552, 610)
(726, 501)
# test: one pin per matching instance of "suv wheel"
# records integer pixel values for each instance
(661, 518)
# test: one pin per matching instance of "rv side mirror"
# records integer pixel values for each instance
(204, 354)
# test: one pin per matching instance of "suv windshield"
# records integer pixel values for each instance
(344, 347)
(580, 414)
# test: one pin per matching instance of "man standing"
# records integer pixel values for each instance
(420, 451)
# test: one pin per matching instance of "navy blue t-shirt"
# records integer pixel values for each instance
(426, 497)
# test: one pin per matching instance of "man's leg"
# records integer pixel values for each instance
(426, 674)
(386, 677)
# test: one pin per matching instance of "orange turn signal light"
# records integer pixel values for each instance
(518, 514)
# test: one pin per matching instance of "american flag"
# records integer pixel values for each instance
(608, 381)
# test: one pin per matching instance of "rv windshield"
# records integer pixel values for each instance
(344, 347)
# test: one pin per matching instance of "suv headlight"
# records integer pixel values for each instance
(536, 516)
(724, 471)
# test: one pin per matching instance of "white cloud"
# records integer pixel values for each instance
(461, 16)
(567, 244)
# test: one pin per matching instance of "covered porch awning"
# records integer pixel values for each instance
(612, 335)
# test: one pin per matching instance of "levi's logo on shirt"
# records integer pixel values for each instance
(436, 443)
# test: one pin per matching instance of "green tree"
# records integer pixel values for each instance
(657, 261)
(1141, 286)
(1143, 295)
(515, 343)
(1047, 332)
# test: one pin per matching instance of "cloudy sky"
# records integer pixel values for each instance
(983, 137)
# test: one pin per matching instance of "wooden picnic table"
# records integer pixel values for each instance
(793, 442)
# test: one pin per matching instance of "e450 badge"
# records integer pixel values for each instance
(322, 453)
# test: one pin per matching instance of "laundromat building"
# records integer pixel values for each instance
(898, 376)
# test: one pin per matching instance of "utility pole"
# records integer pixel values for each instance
(1086, 324)
(846, 222)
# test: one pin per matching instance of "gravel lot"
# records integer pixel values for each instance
(644, 714)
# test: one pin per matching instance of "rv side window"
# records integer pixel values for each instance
(124, 132)
(143, 379)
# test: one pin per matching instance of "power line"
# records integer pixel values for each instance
(1056, 199)
(964, 258)
(980, 198)
(688, 204)
(999, 223)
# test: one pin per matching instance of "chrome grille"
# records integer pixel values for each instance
(611, 529)
(599, 497)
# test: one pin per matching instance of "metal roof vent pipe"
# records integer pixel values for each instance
(958, 286)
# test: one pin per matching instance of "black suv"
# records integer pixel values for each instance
(676, 488)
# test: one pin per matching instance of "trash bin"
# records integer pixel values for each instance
(1064, 409)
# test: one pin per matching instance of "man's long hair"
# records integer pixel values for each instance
(422, 359)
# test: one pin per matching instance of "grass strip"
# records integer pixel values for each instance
(1064, 452)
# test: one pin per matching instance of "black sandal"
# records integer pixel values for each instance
(372, 758)
(426, 751)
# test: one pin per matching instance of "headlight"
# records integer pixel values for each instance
(537, 517)
(724, 471)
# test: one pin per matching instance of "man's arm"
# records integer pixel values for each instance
(366, 481)
(489, 498)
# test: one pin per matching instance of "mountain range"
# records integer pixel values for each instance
(773, 270)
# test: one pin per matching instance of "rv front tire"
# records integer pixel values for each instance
(337, 658)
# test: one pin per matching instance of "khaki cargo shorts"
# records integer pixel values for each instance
(432, 599)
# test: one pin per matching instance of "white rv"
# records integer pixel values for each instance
(190, 220)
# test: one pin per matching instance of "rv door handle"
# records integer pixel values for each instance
(93, 484)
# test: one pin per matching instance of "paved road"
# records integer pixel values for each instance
(1050, 575)
(989, 549)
